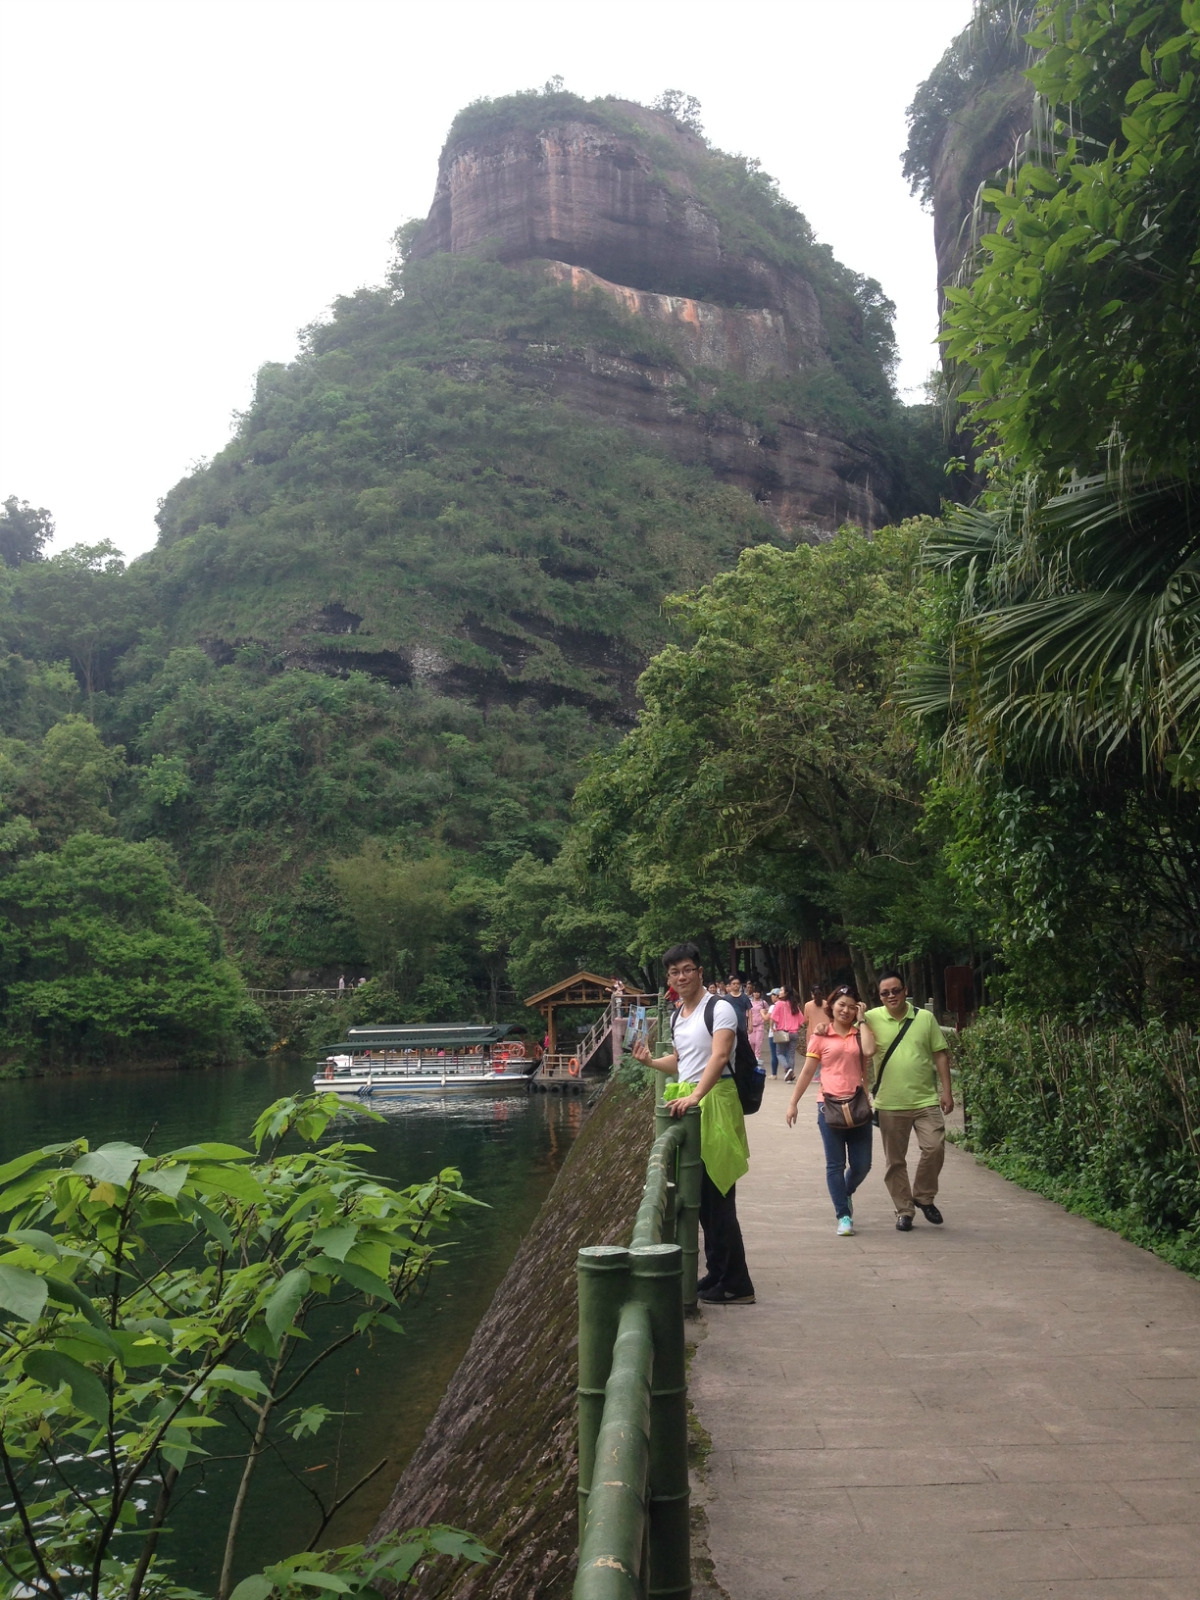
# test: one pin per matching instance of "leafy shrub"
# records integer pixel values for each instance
(102, 954)
(1106, 1121)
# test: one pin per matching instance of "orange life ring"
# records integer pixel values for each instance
(329, 1069)
(516, 1051)
(573, 1068)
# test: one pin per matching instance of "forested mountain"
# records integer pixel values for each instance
(383, 630)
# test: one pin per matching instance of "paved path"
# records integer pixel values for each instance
(1004, 1408)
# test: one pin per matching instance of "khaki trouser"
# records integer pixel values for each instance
(894, 1129)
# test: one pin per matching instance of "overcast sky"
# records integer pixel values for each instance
(185, 183)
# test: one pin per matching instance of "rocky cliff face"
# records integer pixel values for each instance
(616, 211)
(979, 142)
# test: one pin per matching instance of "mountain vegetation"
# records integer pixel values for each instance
(381, 636)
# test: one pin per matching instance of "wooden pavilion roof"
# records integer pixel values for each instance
(580, 989)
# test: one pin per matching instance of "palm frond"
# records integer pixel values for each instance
(1078, 629)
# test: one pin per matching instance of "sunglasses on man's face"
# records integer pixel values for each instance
(890, 994)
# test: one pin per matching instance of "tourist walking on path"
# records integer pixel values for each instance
(842, 1052)
(815, 1014)
(787, 1020)
(912, 1095)
(760, 1013)
(739, 1000)
(703, 1031)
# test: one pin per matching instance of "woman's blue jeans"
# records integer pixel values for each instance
(847, 1160)
(785, 1054)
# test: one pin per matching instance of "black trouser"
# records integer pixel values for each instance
(724, 1252)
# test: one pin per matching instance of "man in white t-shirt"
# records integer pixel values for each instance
(702, 1059)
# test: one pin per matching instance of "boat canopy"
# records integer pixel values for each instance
(440, 1036)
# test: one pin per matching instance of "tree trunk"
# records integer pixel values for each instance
(864, 974)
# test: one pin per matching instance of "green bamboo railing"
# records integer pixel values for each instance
(634, 1508)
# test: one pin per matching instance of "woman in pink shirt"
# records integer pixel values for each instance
(787, 1018)
(842, 1054)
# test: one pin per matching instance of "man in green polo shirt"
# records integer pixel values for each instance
(913, 1095)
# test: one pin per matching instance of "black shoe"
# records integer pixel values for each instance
(932, 1214)
(722, 1297)
(706, 1282)
(903, 1223)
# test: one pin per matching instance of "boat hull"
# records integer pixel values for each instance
(389, 1086)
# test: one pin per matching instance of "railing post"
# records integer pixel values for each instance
(656, 1282)
(688, 1173)
(613, 1539)
(603, 1277)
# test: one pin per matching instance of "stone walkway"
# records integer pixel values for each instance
(1004, 1408)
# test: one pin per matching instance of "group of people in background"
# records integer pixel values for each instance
(774, 1019)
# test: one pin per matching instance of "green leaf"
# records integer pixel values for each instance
(21, 1292)
(285, 1301)
(210, 1152)
(14, 1169)
(323, 1580)
(167, 1180)
(454, 1542)
(43, 1243)
(191, 1205)
(256, 1588)
(357, 1276)
(111, 1163)
(65, 1293)
(52, 1369)
(240, 1380)
(234, 1181)
(337, 1241)
(86, 1343)
(140, 1349)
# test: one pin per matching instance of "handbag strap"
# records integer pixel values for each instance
(887, 1056)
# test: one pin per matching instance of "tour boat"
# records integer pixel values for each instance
(449, 1058)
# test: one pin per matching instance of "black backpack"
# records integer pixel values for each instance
(749, 1079)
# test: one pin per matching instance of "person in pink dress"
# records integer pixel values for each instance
(760, 1013)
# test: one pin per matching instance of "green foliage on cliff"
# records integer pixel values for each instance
(968, 89)
(406, 472)
(1082, 323)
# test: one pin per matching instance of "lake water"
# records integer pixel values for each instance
(508, 1150)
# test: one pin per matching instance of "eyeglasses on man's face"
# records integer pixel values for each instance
(681, 972)
(890, 994)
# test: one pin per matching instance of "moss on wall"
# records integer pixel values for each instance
(499, 1456)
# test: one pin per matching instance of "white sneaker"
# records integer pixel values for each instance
(845, 1227)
